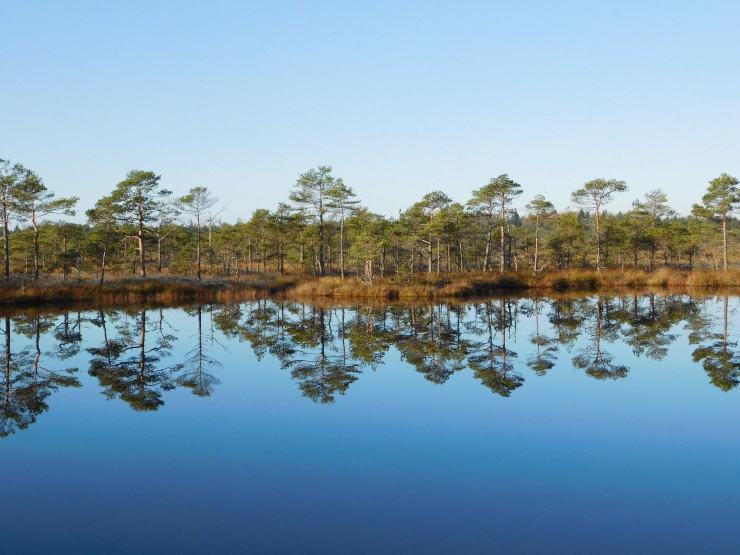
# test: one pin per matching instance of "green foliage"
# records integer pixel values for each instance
(325, 230)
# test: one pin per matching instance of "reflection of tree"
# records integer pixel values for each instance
(369, 337)
(566, 319)
(545, 354)
(593, 358)
(717, 356)
(649, 324)
(68, 336)
(26, 382)
(492, 363)
(321, 369)
(197, 362)
(264, 327)
(128, 368)
(431, 343)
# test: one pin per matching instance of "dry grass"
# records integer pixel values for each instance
(471, 284)
(171, 291)
(135, 291)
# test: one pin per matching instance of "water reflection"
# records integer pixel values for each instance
(132, 366)
(137, 356)
(27, 382)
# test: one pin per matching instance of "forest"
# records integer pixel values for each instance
(322, 229)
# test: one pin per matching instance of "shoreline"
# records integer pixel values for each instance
(170, 290)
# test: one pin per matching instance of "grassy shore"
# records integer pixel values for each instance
(472, 284)
(173, 290)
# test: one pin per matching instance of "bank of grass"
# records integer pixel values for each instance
(154, 290)
(174, 290)
(472, 284)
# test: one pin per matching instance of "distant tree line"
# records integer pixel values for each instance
(142, 227)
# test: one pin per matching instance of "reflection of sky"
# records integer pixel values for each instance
(568, 462)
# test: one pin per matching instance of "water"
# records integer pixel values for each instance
(608, 424)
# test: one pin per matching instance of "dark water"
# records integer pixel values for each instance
(601, 424)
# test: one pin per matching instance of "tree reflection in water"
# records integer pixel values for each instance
(492, 363)
(128, 367)
(602, 327)
(716, 351)
(138, 355)
(545, 352)
(199, 361)
(27, 383)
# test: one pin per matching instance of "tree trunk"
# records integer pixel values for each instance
(341, 248)
(724, 242)
(487, 257)
(140, 237)
(102, 267)
(501, 259)
(197, 246)
(438, 257)
(281, 255)
(6, 243)
(159, 254)
(35, 247)
(598, 242)
(322, 269)
(430, 254)
(249, 255)
(536, 241)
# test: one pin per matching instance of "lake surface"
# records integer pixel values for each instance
(579, 425)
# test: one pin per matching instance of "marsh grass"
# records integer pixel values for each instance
(165, 290)
(471, 284)
(173, 290)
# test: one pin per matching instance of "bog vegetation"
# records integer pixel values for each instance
(142, 228)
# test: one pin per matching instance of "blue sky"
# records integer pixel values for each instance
(400, 97)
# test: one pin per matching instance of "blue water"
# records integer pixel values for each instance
(633, 447)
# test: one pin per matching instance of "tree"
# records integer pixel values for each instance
(367, 242)
(279, 222)
(342, 202)
(11, 176)
(652, 211)
(494, 197)
(136, 202)
(594, 195)
(432, 205)
(196, 203)
(718, 203)
(540, 208)
(105, 229)
(310, 194)
(35, 201)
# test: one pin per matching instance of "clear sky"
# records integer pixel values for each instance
(400, 97)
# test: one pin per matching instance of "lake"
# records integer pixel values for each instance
(516, 425)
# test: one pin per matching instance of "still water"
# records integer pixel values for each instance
(585, 424)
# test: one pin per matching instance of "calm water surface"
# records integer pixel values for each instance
(600, 424)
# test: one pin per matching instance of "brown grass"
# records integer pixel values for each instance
(135, 291)
(171, 290)
(471, 284)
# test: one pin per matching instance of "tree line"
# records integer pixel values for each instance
(323, 229)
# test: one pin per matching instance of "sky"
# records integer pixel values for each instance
(400, 98)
